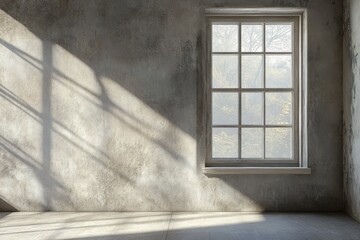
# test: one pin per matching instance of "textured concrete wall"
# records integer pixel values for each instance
(352, 107)
(99, 110)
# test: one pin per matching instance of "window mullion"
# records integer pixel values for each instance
(239, 94)
(264, 81)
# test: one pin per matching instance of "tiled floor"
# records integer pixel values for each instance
(180, 226)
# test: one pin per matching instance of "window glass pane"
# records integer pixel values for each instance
(278, 38)
(225, 71)
(278, 71)
(251, 37)
(252, 142)
(278, 143)
(252, 71)
(225, 142)
(225, 38)
(278, 108)
(225, 108)
(252, 108)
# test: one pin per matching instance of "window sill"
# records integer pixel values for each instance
(256, 170)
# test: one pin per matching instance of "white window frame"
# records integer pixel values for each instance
(299, 163)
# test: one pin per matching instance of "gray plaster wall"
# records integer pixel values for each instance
(352, 108)
(100, 110)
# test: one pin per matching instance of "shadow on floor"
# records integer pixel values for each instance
(342, 229)
(180, 226)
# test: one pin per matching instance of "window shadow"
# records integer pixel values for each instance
(145, 79)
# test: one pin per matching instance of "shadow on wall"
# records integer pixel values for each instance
(142, 66)
(6, 207)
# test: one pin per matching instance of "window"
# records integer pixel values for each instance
(255, 90)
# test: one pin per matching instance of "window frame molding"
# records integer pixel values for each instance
(210, 165)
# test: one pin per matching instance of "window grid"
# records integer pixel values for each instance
(262, 90)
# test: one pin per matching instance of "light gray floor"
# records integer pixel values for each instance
(171, 226)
